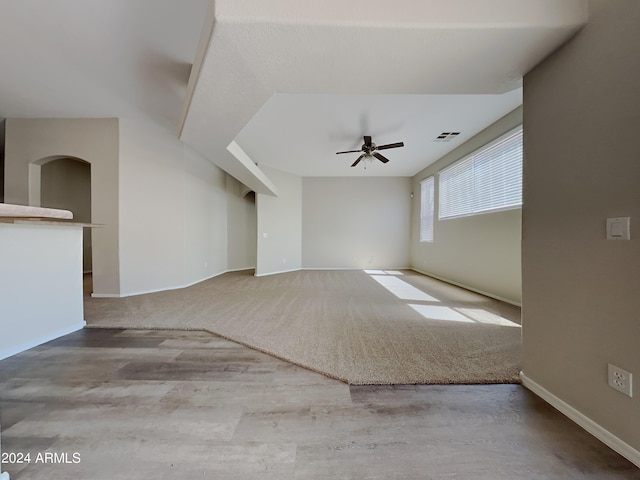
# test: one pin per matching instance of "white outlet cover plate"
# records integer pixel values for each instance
(620, 380)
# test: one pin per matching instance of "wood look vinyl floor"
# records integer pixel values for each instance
(160, 404)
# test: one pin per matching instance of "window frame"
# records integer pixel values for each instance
(427, 209)
(472, 181)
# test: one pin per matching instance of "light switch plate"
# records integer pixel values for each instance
(618, 228)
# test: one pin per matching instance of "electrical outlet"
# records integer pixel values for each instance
(621, 380)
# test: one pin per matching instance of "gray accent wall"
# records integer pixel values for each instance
(581, 306)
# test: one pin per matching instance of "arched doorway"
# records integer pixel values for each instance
(65, 182)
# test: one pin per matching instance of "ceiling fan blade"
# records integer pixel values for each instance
(380, 157)
(358, 160)
(390, 145)
(367, 140)
(349, 151)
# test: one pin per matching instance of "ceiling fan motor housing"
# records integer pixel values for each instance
(368, 149)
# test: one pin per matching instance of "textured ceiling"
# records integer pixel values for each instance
(301, 133)
(98, 58)
(283, 83)
(313, 71)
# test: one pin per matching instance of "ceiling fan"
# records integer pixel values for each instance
(370, 149)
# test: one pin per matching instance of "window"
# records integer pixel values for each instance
(426, 209)
(488, 180)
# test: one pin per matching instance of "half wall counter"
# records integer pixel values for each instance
(41, 274)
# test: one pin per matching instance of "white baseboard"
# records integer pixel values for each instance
(178, 287)
(229, 270)
(467, 287)
(275, 273)
(605, 436)
(166, 289)
(354, 268)
(311, 269)
(131, 294)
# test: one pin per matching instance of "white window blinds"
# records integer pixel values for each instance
(489, 179)
(426, 209)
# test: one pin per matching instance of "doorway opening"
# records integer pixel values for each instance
(65, 183)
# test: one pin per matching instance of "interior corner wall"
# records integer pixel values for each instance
(241, 227)
(205, 217)
(356, 222)
(93, 140)
(279, 225)
(173, 216)
(480, 252)
(580, 291)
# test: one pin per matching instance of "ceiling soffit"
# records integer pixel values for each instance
(253, 49)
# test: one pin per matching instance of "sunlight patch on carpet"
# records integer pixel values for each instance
(402, 289)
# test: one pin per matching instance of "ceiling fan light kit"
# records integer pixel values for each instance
(369, 151)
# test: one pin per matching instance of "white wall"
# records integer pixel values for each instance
(29, 141)
(481, 252)
(173, 216)
(280, 224)
(582, 149)
(40, 284)
(163, 206)
(242, 226)
(205, 218)
(356, 222)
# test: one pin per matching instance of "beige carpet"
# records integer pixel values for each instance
(344, 324)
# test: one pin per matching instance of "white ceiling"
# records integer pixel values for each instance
(283, 83)
(98, 58)
(291, 82)
(301, 133)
